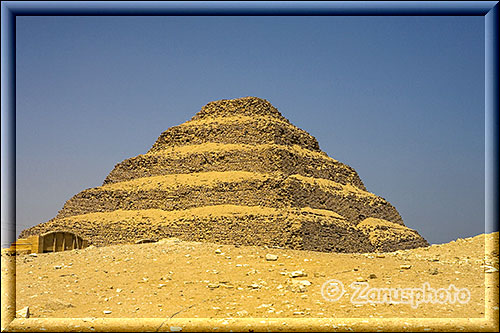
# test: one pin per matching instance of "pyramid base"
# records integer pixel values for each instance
(301, 229)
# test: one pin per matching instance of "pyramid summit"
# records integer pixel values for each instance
(245, 106)
(238, 173)
(247, 120)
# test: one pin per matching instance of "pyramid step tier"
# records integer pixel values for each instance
(303, 229)
(184, 191)
(235, 157)
(235, 130)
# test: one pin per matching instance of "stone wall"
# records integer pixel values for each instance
(278, 192)
(267, 160)
(249, 131)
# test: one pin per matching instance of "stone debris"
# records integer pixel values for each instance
(145, 241)
(296, 274)
(213, 286)
(490, 269)
(271, 257)
(57, 304)
(405, 266)
(303, 282)
(23, 313)
(242, 313)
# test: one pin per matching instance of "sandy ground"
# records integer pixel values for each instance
(173, 278)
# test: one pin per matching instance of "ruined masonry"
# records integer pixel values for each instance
(239, 173)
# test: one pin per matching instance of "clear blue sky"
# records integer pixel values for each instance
(400, 99)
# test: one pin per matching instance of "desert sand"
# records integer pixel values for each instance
(173, 278)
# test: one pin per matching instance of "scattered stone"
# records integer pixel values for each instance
(433, 271)
(218, 251)
(405, 266)
(145, 240)
(57, 267)
(271, 257)
(106, 312)
(213, 285)
(57, 304)
(23, 313)
(298, 288)
(372, 276)
(296, 274)
(490, 269)
(303, 282)
(175, 329)
(360, 279)
(242, 313)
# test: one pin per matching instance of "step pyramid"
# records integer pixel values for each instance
(239, 173)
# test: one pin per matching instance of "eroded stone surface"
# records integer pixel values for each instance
(237, 173)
